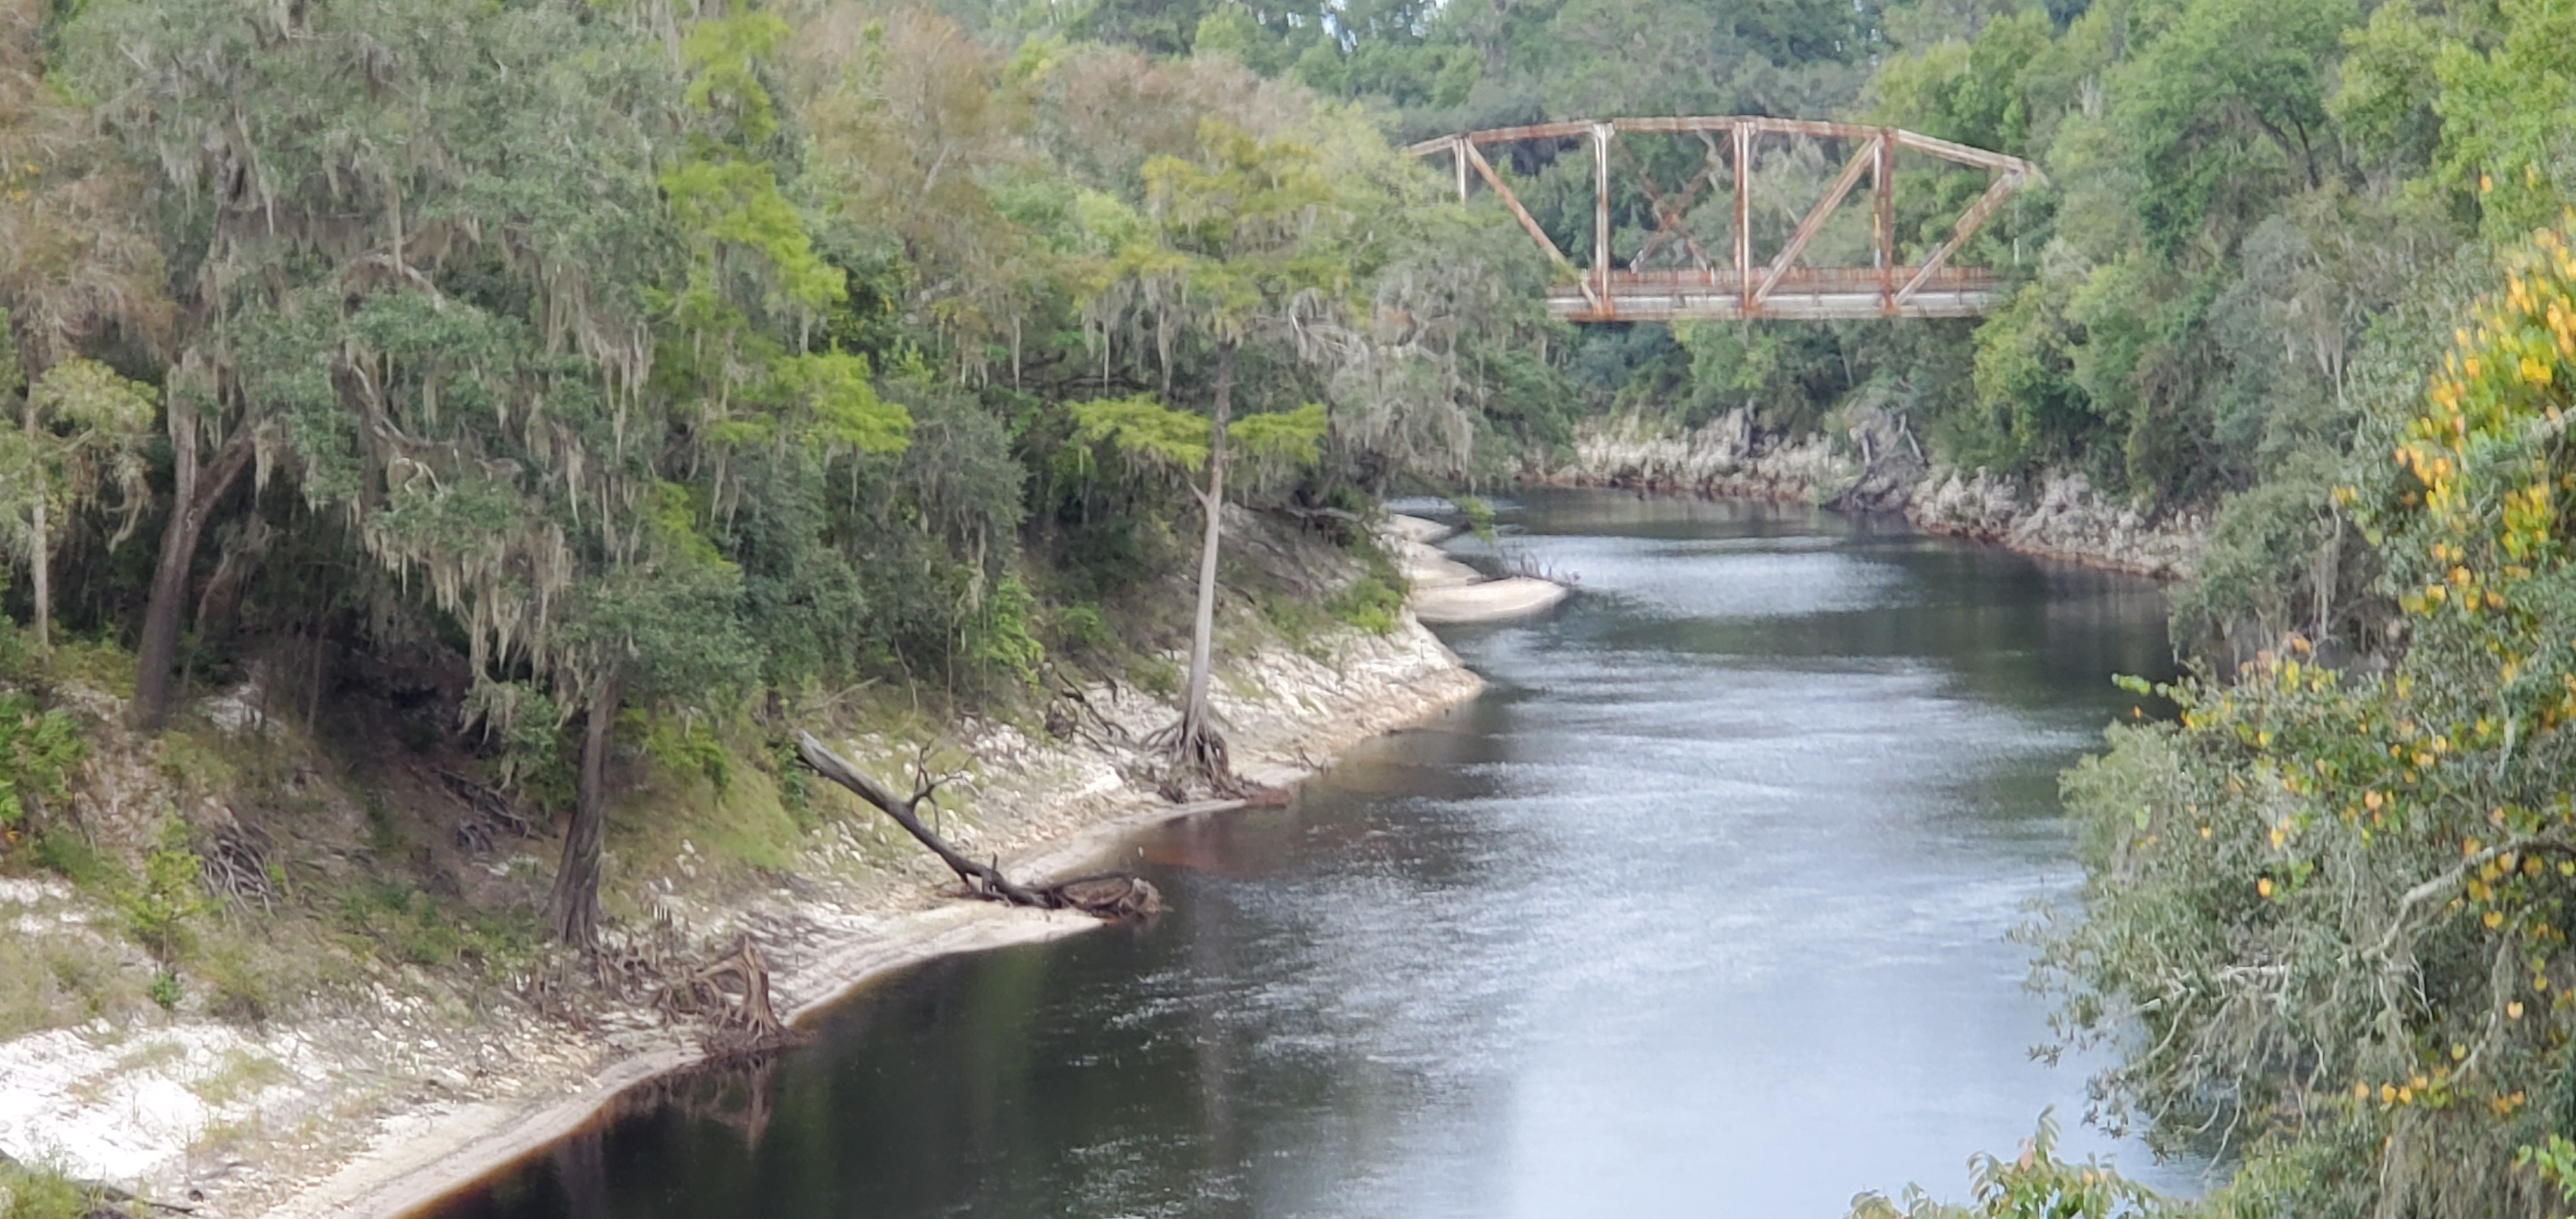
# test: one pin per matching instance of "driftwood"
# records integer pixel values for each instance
(1106, 895)
(731, 994)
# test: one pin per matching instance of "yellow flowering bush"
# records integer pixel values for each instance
(2330, 902)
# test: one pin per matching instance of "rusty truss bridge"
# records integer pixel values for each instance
(1774, 288)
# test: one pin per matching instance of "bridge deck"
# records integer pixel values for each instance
(1807, 294)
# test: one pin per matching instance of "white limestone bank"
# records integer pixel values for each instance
(378, 1107)
(1875, 465)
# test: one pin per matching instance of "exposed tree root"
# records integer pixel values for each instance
(731, 994)
(234, 865)
(1108, 895)
(492, 814)
(1199, 761)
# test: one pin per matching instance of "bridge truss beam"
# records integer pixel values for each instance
(1780, 288)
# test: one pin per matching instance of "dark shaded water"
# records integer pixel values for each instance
(1699, 910)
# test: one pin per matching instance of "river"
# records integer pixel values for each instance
(1700, 909)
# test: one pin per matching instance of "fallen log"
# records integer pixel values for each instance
(1112, 895)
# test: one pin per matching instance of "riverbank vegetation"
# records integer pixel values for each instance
(2326, 908)
(585, 393)
(546, 408)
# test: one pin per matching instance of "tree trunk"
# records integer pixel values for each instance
(193, 498)
(41, 548)
(573, 910)
(1194, 712)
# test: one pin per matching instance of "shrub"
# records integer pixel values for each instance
(38, 750)
(1370, 604)
(1081, 629)
(158, 909)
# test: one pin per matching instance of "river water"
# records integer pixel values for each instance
(1701, 909)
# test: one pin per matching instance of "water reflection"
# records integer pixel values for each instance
(1700, 908)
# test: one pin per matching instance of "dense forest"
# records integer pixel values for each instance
(592, 387)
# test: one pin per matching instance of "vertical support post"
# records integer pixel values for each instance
(1601, 134)
(1883, 220)
(1743, 134)
(1458, 161)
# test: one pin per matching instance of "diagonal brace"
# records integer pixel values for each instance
(1860, 161)
(1485, 169)
(1977, 214)
(1669, 213)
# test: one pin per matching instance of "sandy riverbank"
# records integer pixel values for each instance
(375, 1108)
(1447, 591)
(1306, 713)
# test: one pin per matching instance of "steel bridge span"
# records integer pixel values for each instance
(1775, 287)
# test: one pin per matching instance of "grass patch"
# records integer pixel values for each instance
(405, 923)
(1297, 619)
(241, 1075)
(52, 984)
(1159, 676)
(96, 663)
(744, 821)
(66, 854)
(196, 758)
(31, 1191)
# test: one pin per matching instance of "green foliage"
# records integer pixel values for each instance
(1144, 431)
(998, 637)
(417, 929)
(160, 904)
(2227, 98)
(848, 415)
(38, 751)
(2332, 901)
(721, 195)
(1083, 630)
(79, 428)
(1370, 603)
(65, 853)
(1374, 601)
(2481, 93)
(1287, 440)
(1480, 517)
(2034, 1185)
(525, 731)
(1156, 675)
(685, 747)
(39, 1192)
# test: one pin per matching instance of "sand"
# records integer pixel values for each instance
(1448, 591)
(430, 1151)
